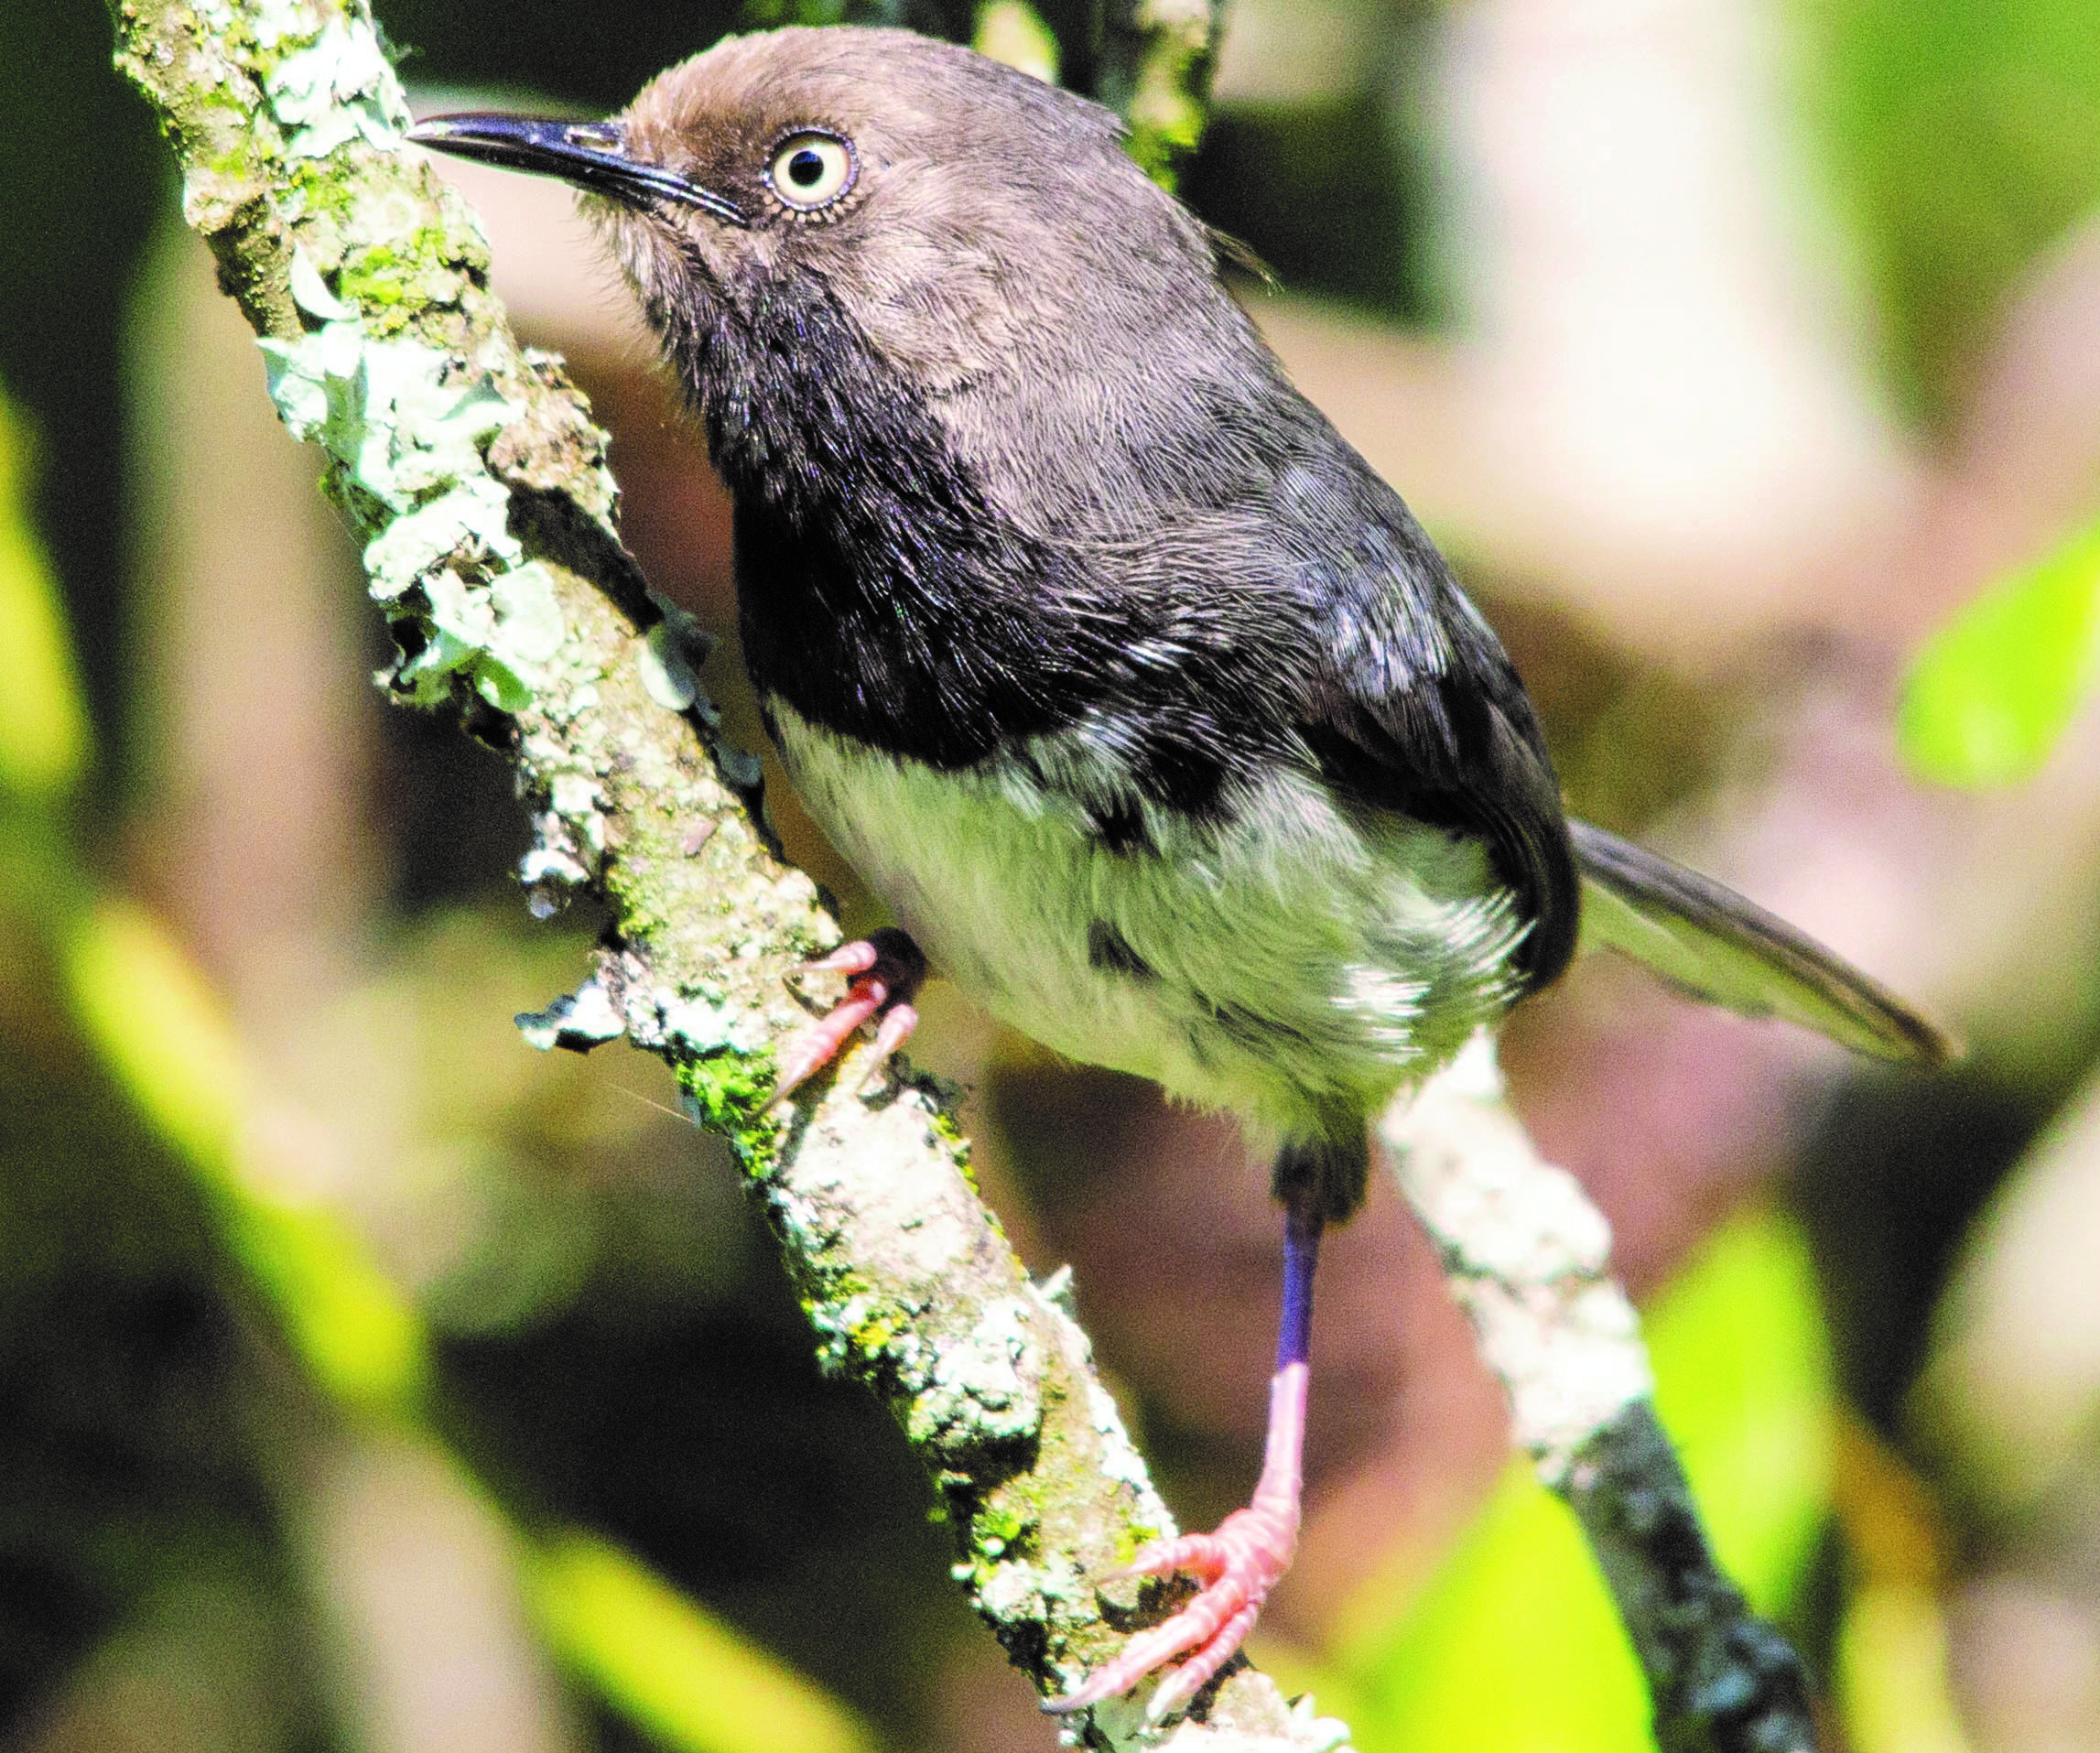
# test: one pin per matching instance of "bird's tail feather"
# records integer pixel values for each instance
(1729, 951)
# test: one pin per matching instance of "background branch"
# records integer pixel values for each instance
(1524, 1251)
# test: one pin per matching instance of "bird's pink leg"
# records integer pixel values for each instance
(888, 968)
(1239, 1564)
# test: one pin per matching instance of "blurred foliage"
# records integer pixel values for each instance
(1890, 1657)
(82, 177)
(1286, 180)
(134, 1517)
(146, 1012)
(672, 1667)
(1991, 692)
(43, 734)
(1891, 1674)
(1963, 137)
(224, 1216)
(1515, 1644)
(539, 47)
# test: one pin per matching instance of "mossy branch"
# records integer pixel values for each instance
(1525, 1253)
(477, 477)
(1154, 64)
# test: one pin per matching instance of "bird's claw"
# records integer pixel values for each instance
(1239, 1565)
(848, 958)
(887, 967)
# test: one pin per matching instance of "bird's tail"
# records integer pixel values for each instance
(1729, 951)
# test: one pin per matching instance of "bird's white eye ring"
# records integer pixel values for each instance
(811, 169)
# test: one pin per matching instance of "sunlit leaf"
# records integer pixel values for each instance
(1963, 138)
(1013, 31)
(164, 1036)
(1743, 1383)
(1992, 691)
(43, 727)
(1893, 1673)
(687, 1679)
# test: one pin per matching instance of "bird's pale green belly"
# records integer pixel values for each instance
(1292, 965)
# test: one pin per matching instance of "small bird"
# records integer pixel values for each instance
(1144, 705)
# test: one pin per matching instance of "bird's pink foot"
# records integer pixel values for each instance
(1239, 1565)
(887, 968)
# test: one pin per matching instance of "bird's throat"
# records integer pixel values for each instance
(880, 593)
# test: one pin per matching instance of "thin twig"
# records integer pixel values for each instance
(1524, 1250)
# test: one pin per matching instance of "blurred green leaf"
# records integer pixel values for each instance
(43, 727)
(1013, 31)
(1743, 1383)
(670, 1666)
(1892, 1661)
(1992, 691)
(163, 1033)
(1515, 1645)
(1964, 137)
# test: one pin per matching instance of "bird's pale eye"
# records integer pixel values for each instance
(811, 169)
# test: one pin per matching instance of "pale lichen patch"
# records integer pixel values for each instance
(340, 87)
(981, 1388)
(407, 437)
(579, 1021)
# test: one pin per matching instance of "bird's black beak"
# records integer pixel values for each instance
(591, 155)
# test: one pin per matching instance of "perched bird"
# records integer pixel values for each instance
(1145, 706)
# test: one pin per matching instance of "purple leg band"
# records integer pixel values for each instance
(1301, 1255)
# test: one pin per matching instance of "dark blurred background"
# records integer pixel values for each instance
(1730, 346)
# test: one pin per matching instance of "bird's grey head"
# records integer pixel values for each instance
(952, 207)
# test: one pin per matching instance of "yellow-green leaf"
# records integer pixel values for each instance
(1992, 690)
(669, 1665)
(164, 1036)
(43, 727)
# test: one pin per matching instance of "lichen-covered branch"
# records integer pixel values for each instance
(1524, 1251)
(1150, 61)
(1153, 65)
(476, 478)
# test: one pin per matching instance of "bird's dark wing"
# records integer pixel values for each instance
(1729, 951)
(1416, 709)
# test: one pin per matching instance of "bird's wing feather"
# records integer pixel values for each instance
(1418, 711)
(1724, 949)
